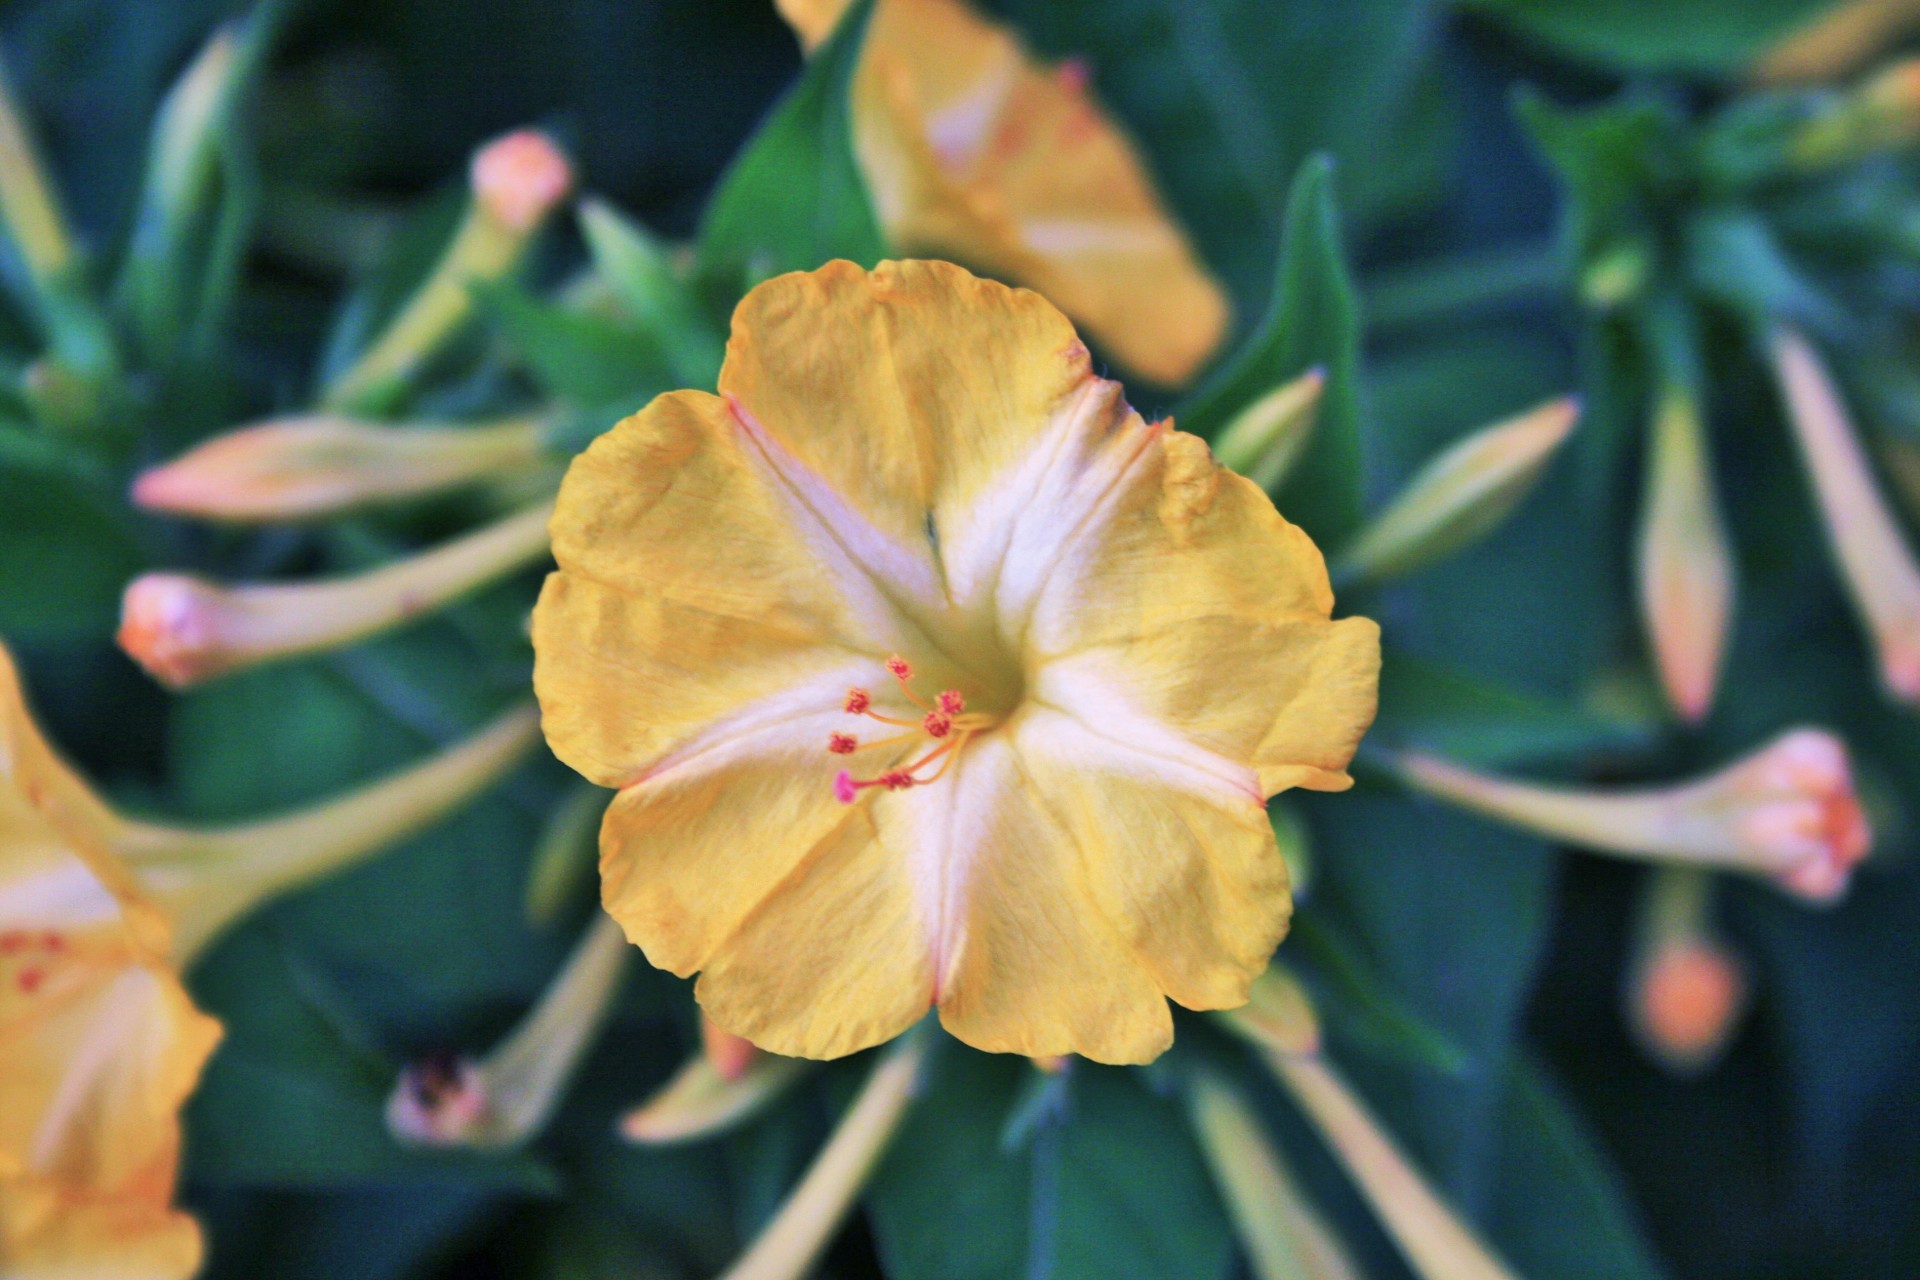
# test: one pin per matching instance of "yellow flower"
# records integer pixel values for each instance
(99, 1043)
(1094, 651)
(975, 151)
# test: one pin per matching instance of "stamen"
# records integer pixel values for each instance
(858, 700)
(944, 723)
(902, 669)
(842, 744)
(950, 703)
(936, 725)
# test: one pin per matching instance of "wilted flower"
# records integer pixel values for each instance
(1096, 653)
(975, 151)
(1788, 812)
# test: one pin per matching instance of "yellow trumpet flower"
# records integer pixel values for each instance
(1091, 654)
(973, 150)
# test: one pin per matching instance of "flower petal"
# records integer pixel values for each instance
(50, 1232)
(976, 151)
(1192, 596)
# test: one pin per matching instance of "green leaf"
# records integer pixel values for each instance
(1700, 36)
(638, 268)
(1437, 708)
(1559, 1210)
(1107, 1184)
(66, 550)
(1357, 1005)
(794, 198)
(1313, 320)
(579, 357)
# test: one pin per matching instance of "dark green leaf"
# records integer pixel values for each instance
(1432, 707)
(795, 199)
(579, 357)
(1703, 36)
(66, 553)
(1313, 320)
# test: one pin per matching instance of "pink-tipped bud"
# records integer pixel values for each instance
(519, 179)
(439, 1102)
(844, 789)
(1788, 812)
(1685, 566)
(1880, 572)
(320, 464)
(728, 1054)
(1686, 998)
(171, 624)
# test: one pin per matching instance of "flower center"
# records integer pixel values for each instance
(27, 956)
(944, 729)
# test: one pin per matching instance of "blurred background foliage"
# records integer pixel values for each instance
(1470, 975)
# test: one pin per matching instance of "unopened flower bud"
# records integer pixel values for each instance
(1278, 1015)
(184, 630)
(728, 1054)
(1265, 439)
(506, 1098)
(699, 1103)
(1685, 989)
(1686, 569)
(1836, 40)
(322, 464)
(1461, 494)
(1878, 569)
(1788, 813)
(520, 178)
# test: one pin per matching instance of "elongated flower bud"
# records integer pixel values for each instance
(700, 1103)
(1277, 1016)
(1437, 1243)
(1881, 114)
(322, 464)
(729, 1055)
(1464, 492)
(1837, 40)
(788, 1246)
(27, 202)
(1685, 989)
(1284, 1235)
(208, 877)
(1266, 438)
(517, 180)
(506, 1098)
(184, 630)
(1875, 563)
(1788, 812)
(1686, 570)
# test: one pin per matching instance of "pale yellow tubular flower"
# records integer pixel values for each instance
(976, 151)
(1469, 488)
(1875, 563)
(99, 1042)
(1278, 1016)
(1686, 990)
(1437, 1243)
(788, 1246)
(506, 1098)
(185, 630)
(1284, 1235)
(1686, 570)
(321, 464)
(517, 180)
(1266, 438)
(1837, 41)
(699, 1103)
(1088, 654)
(208, 877)
(1788, 813)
